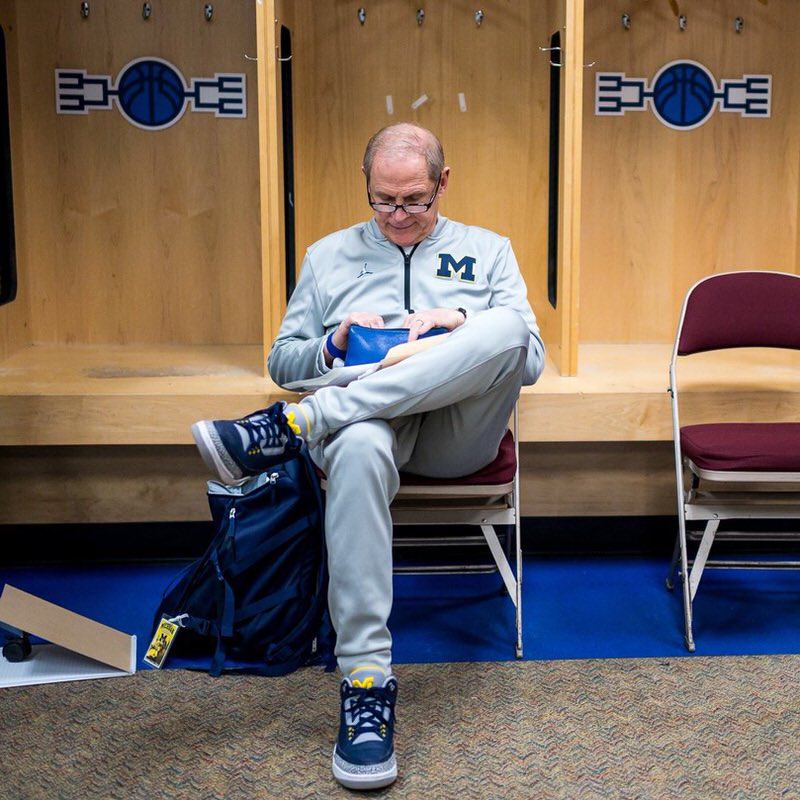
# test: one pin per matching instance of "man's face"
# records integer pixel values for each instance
(404, 180)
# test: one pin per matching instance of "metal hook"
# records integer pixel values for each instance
(85, 9)
(738, 24)
(479, 15)
(249, 58)
(549, 50)
(626, 21)
(420, 16)
(147, 10)
(362, 15)
(278, 56)
(682, 22)
(208, 12)
(556, 64)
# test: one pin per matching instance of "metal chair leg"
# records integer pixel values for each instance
(669, 581)
(687, 593)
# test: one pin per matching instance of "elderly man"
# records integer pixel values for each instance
(440, 413)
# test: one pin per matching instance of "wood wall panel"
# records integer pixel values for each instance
(133, 235)
(593, 479)
(168, 483)
(102, 484)
(662, 208)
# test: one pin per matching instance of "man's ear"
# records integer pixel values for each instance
(444, 180)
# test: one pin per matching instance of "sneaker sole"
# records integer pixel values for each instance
(365, 780)
(208, 451)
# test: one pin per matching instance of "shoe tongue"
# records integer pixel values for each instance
(367, 677)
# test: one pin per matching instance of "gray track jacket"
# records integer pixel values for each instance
(358, 269)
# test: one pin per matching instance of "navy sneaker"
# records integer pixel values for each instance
(233, 449)
(363, 757)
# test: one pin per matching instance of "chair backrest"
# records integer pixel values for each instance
(752, 308)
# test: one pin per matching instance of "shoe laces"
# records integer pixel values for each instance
(369, 713)
(261, 431)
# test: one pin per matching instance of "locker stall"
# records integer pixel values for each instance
(480, 78)
(664, 207)
(129, 236)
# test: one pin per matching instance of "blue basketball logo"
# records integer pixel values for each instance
(683, 94)
(151, 93)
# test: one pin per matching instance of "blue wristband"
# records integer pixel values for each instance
(333, 349)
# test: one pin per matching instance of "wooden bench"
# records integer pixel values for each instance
(102, 433)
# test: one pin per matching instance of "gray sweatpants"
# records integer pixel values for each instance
(441, 413)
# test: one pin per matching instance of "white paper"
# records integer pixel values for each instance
(49, 663)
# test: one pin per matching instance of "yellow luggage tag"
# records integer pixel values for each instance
(162, 640)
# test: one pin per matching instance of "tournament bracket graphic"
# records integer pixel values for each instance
(150, 93)
(683, 94)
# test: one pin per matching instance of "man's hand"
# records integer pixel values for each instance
(422, 321)
(339, 339)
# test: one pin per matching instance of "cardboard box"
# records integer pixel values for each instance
(79, 648)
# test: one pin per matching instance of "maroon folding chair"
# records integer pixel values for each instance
(734, 471)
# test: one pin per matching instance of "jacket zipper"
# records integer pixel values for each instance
(407, 276)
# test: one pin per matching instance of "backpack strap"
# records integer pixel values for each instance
(226, 606)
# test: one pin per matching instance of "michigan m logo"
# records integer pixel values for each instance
(448, 267)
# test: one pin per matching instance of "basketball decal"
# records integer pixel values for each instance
(682, 95)
(150, 93)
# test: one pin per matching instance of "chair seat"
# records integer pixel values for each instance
(743, 446)
(498, 472)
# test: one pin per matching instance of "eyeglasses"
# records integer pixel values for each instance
(409, 208)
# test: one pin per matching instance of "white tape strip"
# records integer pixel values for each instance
(462, 102)
(419, 101)
(389, 104)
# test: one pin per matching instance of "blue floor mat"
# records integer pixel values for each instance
(572, 608)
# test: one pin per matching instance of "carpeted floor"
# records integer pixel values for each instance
(724, 727)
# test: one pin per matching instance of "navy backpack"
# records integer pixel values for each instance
(256, 601)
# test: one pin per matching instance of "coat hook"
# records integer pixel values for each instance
(208, 11)
(147, 10)
(362, 15)
(420, 16)
(738, 24)
(682, 22)
(626, 21)
(550, 50)
(278, 56)
(556, 64)
(479, 15)
(85, 9)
